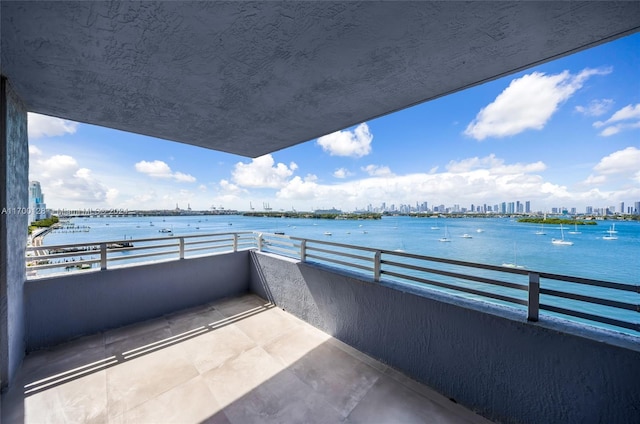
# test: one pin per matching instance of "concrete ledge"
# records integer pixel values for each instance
(489, 359)
(61, 308)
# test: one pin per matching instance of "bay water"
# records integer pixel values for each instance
(493, 241)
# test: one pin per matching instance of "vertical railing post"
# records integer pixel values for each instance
(181, 243)
(303, 251)
(259, 242)
(103, 256)
(376, 266)
(533, 307)
(235, 242)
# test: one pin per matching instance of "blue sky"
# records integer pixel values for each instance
(562, 134)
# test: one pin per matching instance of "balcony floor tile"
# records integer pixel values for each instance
(235, 361)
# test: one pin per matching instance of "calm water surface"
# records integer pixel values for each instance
(493, 241)
(501, 241)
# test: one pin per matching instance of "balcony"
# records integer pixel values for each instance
(358, 334)
(238, 360)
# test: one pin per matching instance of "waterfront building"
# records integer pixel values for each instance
(37, 207)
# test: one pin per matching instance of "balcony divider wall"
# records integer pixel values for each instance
(64, 307)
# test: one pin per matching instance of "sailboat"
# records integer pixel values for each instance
(540, 232)
(611, 232)
(435, 227)
(562, 241)
(575, 231)
(515, 259)
(446, 235)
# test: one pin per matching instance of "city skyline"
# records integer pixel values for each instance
(562, 134)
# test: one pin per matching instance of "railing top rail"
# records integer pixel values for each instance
(560, 277)
(95, 243)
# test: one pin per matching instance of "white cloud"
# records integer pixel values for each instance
(496, 165)
(464, 181)
(34, 151)
(377, 170)
(39, 126)
(527, 103)
(356, 143)
(261, 173)
(342, 173)
(595, 107)
(202, 187)
(617, 123)
(159, 169)
(621, 166)
(64, 182)
(624, 161)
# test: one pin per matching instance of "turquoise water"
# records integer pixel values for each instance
(501, 240)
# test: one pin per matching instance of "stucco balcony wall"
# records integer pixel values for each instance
(68, 306)
(487, 358)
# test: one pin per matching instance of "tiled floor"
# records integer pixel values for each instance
(240, 360)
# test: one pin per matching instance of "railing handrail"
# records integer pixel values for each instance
(96, 243)
(305, 248)
(561, 277)
(532, 302)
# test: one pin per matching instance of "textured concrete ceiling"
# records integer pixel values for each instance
(255, 77)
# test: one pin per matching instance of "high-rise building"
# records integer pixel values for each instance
(621, 208)
(37, 208)
(527, 206)
(636, 208)
(589, 210)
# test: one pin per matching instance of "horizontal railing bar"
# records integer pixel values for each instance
(62, 255)
(591, 299)
(333, 252)
(347, 264)
(457, 275)
(457, 288)
(197, 249)
(457, 262)
(280, 242)
(61, 246)
(144, 255)
(134, 248)
(283, 250)
(590, 282)
(63, 264)
(592, 317)
(191, 243)
(331, 243)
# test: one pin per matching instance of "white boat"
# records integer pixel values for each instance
(540, 232)
(515, 260)
(327, 233)
(611, 232)
(446, 236)
(465, 235)
(575, 231)
(165, 230)
(479, 230)
(562, 241)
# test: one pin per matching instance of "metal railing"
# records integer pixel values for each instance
(611, 303)
(64, 258)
